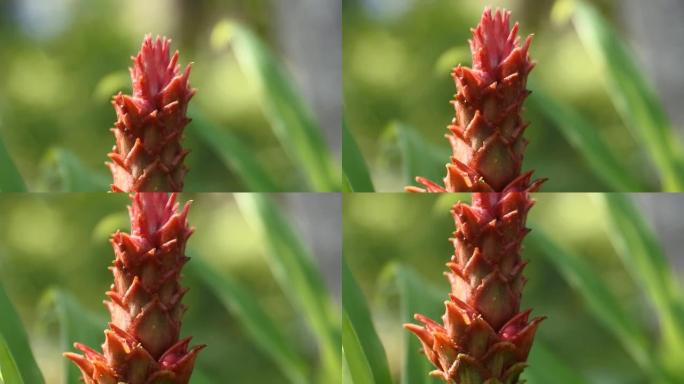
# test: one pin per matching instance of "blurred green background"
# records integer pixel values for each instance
(397, 61)
(64, 59)
(61, 241)
(413, 230)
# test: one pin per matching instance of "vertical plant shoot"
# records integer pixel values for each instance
(142, 344)
(486, 134)
(484, 337)
(148, 155)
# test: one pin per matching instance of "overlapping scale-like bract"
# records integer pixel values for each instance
(142, 344)
(486, 135)
(148, 155)
(484, 338)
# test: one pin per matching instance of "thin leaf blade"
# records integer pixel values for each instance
(353, 163)
(354, 355)
(10, 179)
(361, 323)
(9, 372)
(17, 343)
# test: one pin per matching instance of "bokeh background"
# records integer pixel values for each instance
(63, 60)
(398, 55)
(61, 241)
(413, 230)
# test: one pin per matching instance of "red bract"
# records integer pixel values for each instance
(142, 344)
(486, 135)
(484, 338)
(148, 155)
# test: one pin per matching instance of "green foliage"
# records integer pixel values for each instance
(63, 171)
(10, 179)
(293, 268)
(353, 164)
(418, 157)
(16, 359)
(261, 327)
(290, 118)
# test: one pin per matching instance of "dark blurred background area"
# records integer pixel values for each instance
(398, 55)
(64, 59)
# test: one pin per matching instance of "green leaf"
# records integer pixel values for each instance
(354, 356)
(602, 302)
(258, 325)
(545, 367)
(75, 323)
(63, 171)
(416, 295)
(291, 120)
(9, 372)
(10, 179)
(419, 158)
(295, 272)
(584, 138)
(356, 311)
(645, 261)
(17, 343)
(631, 94)
(234, 154)
(353, 164)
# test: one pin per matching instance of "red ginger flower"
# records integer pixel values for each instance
(487, 132)
(484, 338)
(142, 344)
(148, 155)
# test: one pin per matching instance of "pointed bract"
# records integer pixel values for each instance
(148, 155)
(486, 135)
(483, 338)
(142, 344)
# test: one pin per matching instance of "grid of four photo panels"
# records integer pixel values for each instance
(341, 191)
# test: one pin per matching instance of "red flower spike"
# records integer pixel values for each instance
(148, 155)
(486, 135)
(142, 344)
(485, 338)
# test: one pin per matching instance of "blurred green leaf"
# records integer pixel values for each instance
(356, 311)
(199, 377)
(111, 84)
(451, 58)
(295, 272)
(234, 154)
(631, 94)
(419, 158)
(353, 164)
(545, 367)
(260, 327)
(354, 356)
(289, 116)
(602, 302)
(416, 295)
(76, 324)
(10, 179)
(584, 138)
(63, 171)
(14, 337)
(645, 261)
(9, 372)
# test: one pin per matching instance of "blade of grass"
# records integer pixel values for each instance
(234, 154)
(545, 367)
(416, 295)
(290, 118)
(10, 179)
(9, 372)
(353, 164)
(63, 171)
(361, 323)
(354, 356)
(631, 94)
(584, 138)
(76, 324)
(645, 260)
(419, 158)
(599, 298)
(17, 341)
(257, 323)
(295, 272)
